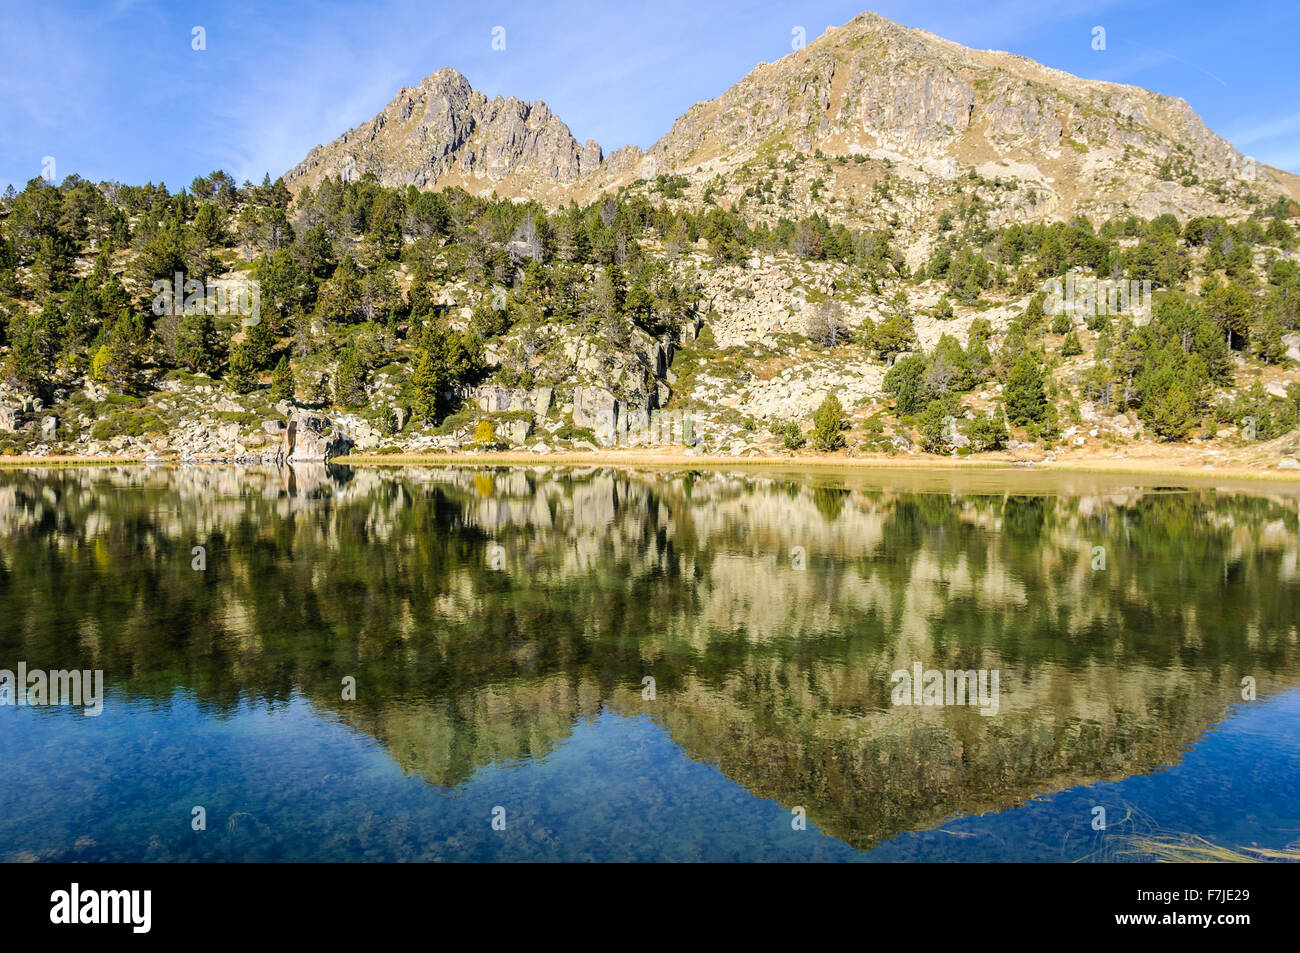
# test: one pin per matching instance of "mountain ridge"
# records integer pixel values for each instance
(870, 87)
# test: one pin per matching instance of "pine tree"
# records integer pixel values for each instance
(981, 361)
(951, 366)
(1026, 401)
(259, 344)
(428, 383)
(1267, 340)
(283, 384)
(209, 225)
(988, 431)
(350, 379)
(893, 336)
(1232, 308)
(446, 360)
(24, 365)
(1172, 413)
(241, 372)
(829, 423)
(118, 362)
(933, 427)
(196, 342)
(904, 381)
(51, 265)
(340, 297)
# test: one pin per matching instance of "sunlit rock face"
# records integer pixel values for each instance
(870, 88)
(488, 611)
(445, 127)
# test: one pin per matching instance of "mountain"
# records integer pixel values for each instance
(882, 218)
(444, 132)
(871, 89)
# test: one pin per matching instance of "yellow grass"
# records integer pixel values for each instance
(1171, 465)
(1193, 849)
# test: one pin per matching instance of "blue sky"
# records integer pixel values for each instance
(114, 90)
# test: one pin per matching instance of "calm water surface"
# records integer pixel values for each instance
(500, 626)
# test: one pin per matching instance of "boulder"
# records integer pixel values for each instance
(956, 438)
(311, 438)
(596, 409)
(634, 427)
(493, 398)
(8, 418)
(541, 400)
(514, 431)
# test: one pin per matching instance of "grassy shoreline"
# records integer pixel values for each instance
(1165, 466)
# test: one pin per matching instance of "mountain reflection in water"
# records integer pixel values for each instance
(503, 621)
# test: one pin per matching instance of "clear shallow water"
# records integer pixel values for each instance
(499, 626)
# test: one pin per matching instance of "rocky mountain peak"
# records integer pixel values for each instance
(872, 89)
(444, 131)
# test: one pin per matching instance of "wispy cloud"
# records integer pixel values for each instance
(1267, 130)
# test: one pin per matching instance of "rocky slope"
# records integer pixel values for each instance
(444, 132)
(871, 89)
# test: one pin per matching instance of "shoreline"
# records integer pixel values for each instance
(1172, 465)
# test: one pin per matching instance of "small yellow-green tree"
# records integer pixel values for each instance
(829, 423)
(485, 434)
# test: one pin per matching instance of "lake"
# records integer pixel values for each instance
(443, 664)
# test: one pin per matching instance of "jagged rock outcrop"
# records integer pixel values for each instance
(514, 431)
(444, 128)
(311, 438)
(597, 410)
(494, 398)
